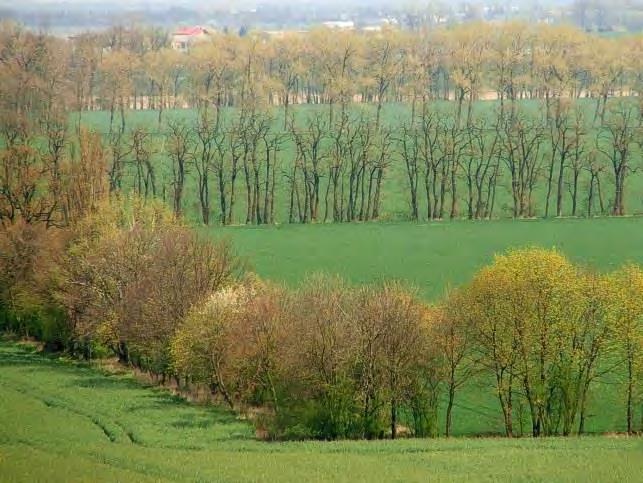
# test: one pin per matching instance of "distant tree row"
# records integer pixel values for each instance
(122, 69)
(332, 163)
(328, 360)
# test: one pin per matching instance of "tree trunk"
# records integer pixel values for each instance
(550, 179)
(630, 395)
(393, 418)
(559, 188)
(449, 416)
(376, 198)
(590, 195)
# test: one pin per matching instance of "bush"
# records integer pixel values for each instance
(130, 275)
(328, 360)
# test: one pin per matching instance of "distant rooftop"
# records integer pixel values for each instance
(190, 31)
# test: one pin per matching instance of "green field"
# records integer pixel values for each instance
(431, 256)
(61, 421)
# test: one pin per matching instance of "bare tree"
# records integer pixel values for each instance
(179, 144)
(616, 142)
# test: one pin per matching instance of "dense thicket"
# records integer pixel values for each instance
(559, 135)
(123, 276)
(327, 360)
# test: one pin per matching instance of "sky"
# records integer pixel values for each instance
(243, 3)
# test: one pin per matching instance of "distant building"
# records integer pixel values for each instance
(340, 24)
(377, 25)
(280, 34)
(184, 37)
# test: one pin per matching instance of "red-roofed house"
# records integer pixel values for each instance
(186, 36)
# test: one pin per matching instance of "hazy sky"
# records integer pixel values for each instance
(205, 5)
(245, 3)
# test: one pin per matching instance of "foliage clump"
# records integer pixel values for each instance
(326, 360)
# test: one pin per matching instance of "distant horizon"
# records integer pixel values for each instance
(217, 4)
(71, 17)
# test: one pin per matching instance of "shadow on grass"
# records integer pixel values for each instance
(105, 382)
(159, 401)
(31, 360)
(193, 421)
(146, 404)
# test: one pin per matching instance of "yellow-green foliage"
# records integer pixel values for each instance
(628, 307)
(628, 331)
(542, 326)
(200, 348)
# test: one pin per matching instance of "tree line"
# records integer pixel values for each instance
(229, 167)
(332, 361)
(135, 68)
(236, 163)
(327, 360)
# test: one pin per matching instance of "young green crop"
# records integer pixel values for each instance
(62, 421)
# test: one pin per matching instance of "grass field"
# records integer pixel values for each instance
(61, 421)
(431, 256)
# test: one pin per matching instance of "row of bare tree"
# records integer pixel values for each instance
(239, 167)
(542, 159)
(538, 161)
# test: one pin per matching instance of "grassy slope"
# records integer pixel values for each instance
(61, 422)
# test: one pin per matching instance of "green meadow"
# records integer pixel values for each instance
(64, 421)
(431, 256)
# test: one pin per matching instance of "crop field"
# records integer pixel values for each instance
(62, 421)
(431, 256)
